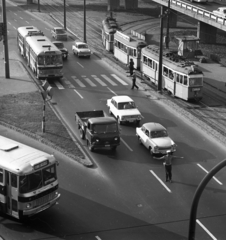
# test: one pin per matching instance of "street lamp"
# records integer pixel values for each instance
(84, 21)
(65, 27)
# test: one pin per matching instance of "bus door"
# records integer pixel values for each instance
(3, 195)
(12, 194)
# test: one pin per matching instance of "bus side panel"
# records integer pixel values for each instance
(121, 56)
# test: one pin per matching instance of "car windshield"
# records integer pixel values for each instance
(38, 179)
(158, 134)
(59, 45)
(126, 105)
(83, 46)
(105, 128)
(60, 31)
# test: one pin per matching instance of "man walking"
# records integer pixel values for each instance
(168, 164)
(131, 67)
(134, 77)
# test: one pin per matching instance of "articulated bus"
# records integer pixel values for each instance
(22, 33)
(180, 78)
(42, 56)
(128, 47)
(28, 179)
(109, 28)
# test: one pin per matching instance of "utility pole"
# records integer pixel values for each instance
(167, 40)
(160, 52)
(65, 27)
(39, 5)
(5, 39)
(84, 7)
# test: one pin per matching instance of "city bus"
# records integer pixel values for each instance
(180, 77)
(128, 47)
(109, 28)
(28, 179)
(22, 33)
(43, 57)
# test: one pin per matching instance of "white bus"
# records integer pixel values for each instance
(22, 33)
(42, 56)
(28, 179)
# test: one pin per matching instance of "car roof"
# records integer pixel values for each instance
(57, 42)
(122, 99)
(59, 28)
(152, 126)
(80, 42)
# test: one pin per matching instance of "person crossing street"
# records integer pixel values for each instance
(134, 77)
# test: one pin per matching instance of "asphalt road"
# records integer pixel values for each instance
(124, 196)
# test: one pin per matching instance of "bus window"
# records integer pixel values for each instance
(13, 180)
(41, 60)
(1, 175)
(49, 175)
(185, 80)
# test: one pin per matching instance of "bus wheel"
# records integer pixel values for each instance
(89, 146)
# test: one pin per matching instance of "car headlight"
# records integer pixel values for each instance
(173, 147)
(116, 138)
(156, 148)
(97, 140)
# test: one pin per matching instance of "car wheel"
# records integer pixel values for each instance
(139, 140)
(119, 122)
(150, 150)
(89, 146)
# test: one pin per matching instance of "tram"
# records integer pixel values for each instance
(128, 47)
(180, 77)
(109, 28)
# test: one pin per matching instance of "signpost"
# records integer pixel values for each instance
(47, 96)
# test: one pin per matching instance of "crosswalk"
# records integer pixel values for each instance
(84, 81)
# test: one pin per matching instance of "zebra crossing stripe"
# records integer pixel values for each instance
(78, 81)
(98, 80)
(109, 80)
(89, 81)
(59, 86)
(119, 79)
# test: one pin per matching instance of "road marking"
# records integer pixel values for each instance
(21, 18)
(127, 145)
(119, 79)
(79, 94)
(59, 86)
(98, 238)
(78, 81)
(109, 80)
(80, 64)
(112, 91)
(98, 80)
(27, 22)
(205, 229)
(163, 184)
(68, 83)
(208, 172)
(89, 81)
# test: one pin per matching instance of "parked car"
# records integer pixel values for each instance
(221, 12)
(59, 33)
(60, 46)
(124, 109)
(81, 49)
(155, 138)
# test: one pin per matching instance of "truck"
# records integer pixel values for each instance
(99, 131)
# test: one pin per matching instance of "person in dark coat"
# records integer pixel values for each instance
(131, 67)
(134, 77)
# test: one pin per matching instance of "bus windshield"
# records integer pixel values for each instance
(49, 60)
(37, 179)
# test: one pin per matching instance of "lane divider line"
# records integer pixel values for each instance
(79, 94)
(126, 145)
(163, 184)
(208, 172)
(206, 230)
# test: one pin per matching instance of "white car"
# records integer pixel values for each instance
(155, 138)
(124, 109)
(81, 49)
(221, 12)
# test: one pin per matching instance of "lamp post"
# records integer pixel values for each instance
(84, 7)
(65, 25)
(167, 26)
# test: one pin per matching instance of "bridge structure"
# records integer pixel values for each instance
(208, 23)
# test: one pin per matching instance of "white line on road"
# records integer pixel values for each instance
(98, 238)
(163, 184)
(108, 79)
(99, 81)
(205, 229)
(112, 91)
(59, 85)
(208, 172)
(127, 145)
(80, 64)
(89, 81)
(27, 22)
(79, 94)
(78, 81)
(119, 79)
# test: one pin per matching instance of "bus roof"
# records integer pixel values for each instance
(24, 31)
(41, 44)
(182, 66)
(19, 158)
(129, 40)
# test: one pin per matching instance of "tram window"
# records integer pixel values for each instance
(149, 62)
(134, 52)
(165, 71)
(181, 78)
(171, 74)
(111, 37)
(145, 60)
(13, 180)
(177, 77)
(185, 80)
(1, 175)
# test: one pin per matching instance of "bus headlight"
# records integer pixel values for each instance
(28, 205)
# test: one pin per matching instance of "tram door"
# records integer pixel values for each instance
(12, 194)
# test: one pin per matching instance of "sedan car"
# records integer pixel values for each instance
(59, 33)
(155, 138)
(61, 47)
(124, 109)
(221, 12)
(81, 49)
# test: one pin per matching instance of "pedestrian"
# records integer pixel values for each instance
(134, 78)
(168, 164)
(131, 66)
